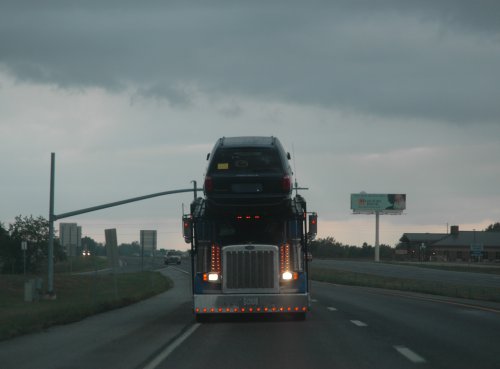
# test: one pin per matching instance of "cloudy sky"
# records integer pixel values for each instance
(384, 96)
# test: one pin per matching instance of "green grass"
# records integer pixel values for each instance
(81, 264)
(77, 298)
(434, 288)
(469, 268)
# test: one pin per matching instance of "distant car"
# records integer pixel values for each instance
(250, 171)
(172, 259)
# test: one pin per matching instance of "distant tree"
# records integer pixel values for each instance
(129, 249)
(329, 248)
(493, 227)
(36, 232)
(6, 257)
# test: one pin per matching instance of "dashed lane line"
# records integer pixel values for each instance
(410, 355)
(359, 323)
(331, 308)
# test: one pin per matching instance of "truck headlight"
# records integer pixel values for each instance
(213, 277)
(287, 276)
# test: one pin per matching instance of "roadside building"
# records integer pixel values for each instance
(454, 246)
(417, 245)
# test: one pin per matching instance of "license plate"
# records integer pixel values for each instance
(250, 301)
(246, 188)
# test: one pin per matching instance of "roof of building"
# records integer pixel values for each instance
(422, 237)
(466, 238)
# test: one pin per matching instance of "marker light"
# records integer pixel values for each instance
(287, 276)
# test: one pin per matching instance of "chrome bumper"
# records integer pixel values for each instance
(251, 303)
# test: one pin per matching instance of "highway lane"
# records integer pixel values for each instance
(351, 327)
(411, 272)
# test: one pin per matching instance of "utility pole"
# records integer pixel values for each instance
(377, 246)
(50, 274)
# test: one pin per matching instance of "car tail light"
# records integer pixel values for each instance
(209, 184)
(286, 183)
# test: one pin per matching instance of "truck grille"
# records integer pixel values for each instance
(250, 268)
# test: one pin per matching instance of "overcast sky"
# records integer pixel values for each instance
(379, 96)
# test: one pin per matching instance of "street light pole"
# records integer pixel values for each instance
(53, 217)
(377, 246)
(50, 274)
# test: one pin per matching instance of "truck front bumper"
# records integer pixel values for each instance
(251, 303)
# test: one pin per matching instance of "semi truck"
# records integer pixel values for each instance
(249, 234)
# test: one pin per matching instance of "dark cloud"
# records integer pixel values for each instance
(426, 59)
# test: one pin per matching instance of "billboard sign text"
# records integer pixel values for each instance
(364, 202)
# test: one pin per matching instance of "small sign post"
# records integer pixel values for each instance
(24, 247)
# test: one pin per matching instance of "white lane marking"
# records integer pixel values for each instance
(359, 323)
(314, 300)
(410, 355)
(170, 348)
(179, 270)
(331, 308)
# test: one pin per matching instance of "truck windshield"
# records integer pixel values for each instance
(250, 231)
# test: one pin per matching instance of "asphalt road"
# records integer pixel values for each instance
(348, 327)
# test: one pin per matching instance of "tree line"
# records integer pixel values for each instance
(35, 231)
(329, 248)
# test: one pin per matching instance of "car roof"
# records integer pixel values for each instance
(248, 141)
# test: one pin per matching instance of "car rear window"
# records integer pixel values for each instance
(246, 160)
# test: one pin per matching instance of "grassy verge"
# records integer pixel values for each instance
(77, 297)
(81, 264)
(469, 268)
(434, 288)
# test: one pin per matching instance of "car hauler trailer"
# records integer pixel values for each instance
(248, 259)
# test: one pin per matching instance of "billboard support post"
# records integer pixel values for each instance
(377, 204)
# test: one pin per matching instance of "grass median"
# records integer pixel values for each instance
(78, 296)
(403, 284)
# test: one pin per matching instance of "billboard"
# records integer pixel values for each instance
(365, 202)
